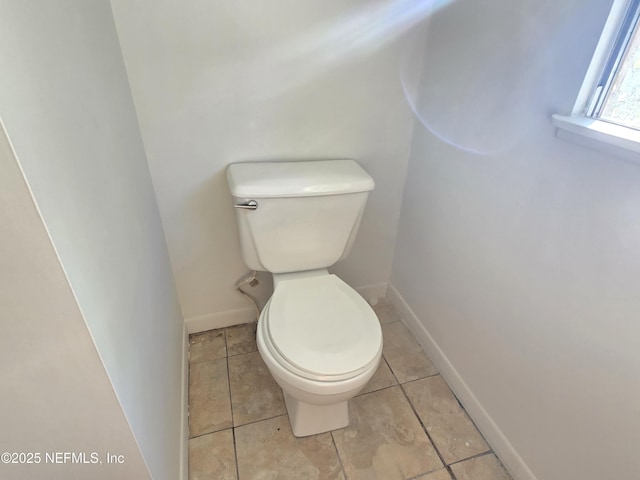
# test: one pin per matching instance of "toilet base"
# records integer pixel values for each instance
(308, 419)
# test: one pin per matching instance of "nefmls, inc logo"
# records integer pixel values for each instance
(72, 457)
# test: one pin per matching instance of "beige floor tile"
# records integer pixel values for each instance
(254, 393)
(207, 346)
(486, 467)
(386, 313)
(384, 439)
(267, 450)
(212, 457)
(441, 474)
(241, 339)
(404, 354)
(209, 403)
(383, 378)
(452, 432)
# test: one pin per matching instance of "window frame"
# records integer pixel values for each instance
(601, 90)
(582, 125)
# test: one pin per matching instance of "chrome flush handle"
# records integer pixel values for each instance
(248, 205)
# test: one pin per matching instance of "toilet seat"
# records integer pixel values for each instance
(321, 329)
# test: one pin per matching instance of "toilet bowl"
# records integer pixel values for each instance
(322, 343)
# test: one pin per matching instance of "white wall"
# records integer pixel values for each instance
(66, 103)
(56, 396)
(227, 81)
(519, 267)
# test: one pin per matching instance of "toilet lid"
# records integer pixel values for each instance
(323, 327)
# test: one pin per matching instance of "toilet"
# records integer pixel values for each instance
(320, 340)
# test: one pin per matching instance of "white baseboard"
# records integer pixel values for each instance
(492, 433)
(212, 321)
(373, 293)
(184, 428)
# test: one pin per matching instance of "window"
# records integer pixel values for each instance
(607, 109)
(616, 97)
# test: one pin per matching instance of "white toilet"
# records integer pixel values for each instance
(319, 338)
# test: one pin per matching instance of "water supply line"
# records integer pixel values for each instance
(252, 281)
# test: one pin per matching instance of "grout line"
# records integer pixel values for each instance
(333, 440)
(244, 353)
(391, 369)
(233, 421)
(426, 432)
(261, 420)
(240, 353)
(235, 452)
(226, 347)
(233, 429)
(376, 391)
(395, 384)
(382, 388)
(477, 455)
(484, 454)
(210, 433)
(469, 417)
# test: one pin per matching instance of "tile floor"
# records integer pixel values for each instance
(406, 424)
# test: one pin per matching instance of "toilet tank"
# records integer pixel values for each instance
(295, 216)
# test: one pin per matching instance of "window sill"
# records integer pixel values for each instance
(606, 137)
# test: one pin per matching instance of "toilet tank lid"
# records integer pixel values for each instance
(297, 179)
